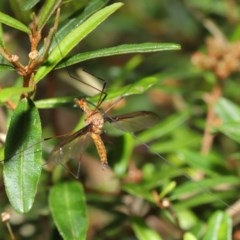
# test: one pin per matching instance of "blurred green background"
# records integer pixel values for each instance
(172, 184)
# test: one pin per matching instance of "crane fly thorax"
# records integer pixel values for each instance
(93, 118)
(96, 121)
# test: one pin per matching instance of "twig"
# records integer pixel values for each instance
(5, 216)
(48, 40)
(211, 99)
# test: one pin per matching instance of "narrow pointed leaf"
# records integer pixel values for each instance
(121, 166)
(12, 22)
(8, 93)
(227, 110)
(28, 4)
(47, 11)
(231, 129)
(68, 207)
(117, 50)
(229, 113)
(22, 163)
(2, 44)
(4, 67)
(138, 87)
(165, 127)
(73, 38)
(142, 231)
(67, 26)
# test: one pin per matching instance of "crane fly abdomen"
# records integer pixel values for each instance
(100, 149)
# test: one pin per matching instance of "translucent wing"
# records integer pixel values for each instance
(133, 122)
(70, 147)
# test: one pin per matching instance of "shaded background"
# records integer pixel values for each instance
(180, 98)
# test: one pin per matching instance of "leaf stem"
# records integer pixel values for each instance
(211, 119)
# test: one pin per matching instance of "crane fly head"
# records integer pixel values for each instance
(81, 103)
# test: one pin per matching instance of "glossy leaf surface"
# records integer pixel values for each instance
(22, 164)
(118, 50)
(12, 22)
(68, 207)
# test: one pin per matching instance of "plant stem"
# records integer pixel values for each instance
(211, 99)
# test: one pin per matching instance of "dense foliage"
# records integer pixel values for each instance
(178, 179)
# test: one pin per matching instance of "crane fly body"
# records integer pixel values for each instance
(95, 121)
(94, 124)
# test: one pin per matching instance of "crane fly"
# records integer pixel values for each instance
(94, 123)
(75, 143)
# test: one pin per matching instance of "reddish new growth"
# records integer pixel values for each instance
(222, 57)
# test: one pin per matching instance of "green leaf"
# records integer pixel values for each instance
(68, 207)
(12, 22)
(132, 89)
(4, 67)
(196, 193)
(93, 6)
(142, 231)
(2, 44)
(70, 23)
(47, 11)
(155, 178)
(139, 87)
(22, 163)
(203, 186)
(204, 198)
(165, 126)
(121, 166)
(231, 129)
(29, 4)
(55, 102)
(229, 113)
(73, 38)
(219, 227)
(189, 236)
(18, 8)
(139, 191)
(121, 49)
(208, 163)
(8, 93)
(207, 7)
(167, 189)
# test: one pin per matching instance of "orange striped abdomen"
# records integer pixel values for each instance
(100, 149)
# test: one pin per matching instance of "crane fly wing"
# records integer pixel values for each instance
(70, 147)
(133, 122)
